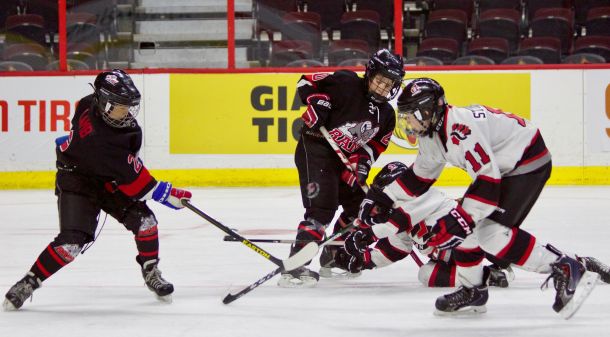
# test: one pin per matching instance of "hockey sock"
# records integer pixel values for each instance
(53, 258)
(519, 247)
(437, 274)
(147, 241)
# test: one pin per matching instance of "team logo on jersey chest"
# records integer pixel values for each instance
(352, 136)
(459, 132)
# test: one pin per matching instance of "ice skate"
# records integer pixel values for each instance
(573, 284)
(463, 301)
(495, 276)
(156, 283)
(329, 268)
(20, 292)
(299, 278)
(596, 266)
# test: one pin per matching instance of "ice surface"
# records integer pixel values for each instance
(102, 293)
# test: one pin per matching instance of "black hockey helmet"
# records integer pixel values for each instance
(423, 99)
(388, 174)
(115, 88)
(389, 65)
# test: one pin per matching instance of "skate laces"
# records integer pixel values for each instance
(461, 296)
(23, 290)
(560, 281)
(154, 279)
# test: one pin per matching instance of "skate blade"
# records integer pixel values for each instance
(342, 275)
(292, 282)
(165, 299)
(583, 290)
(8, 306)
(466, 311)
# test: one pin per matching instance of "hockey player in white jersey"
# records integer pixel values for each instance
(509, 163)
(396, 237)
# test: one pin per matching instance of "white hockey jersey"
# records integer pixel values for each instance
(486, 143)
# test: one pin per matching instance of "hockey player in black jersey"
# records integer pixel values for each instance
(357, 115)
(98, 168)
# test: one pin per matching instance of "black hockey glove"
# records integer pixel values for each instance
(318, 109)
(450, 230)
(376, 207)
(356, 245)
(361, 165)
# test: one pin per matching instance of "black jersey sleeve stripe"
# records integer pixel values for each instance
(485, 189)
(414, 185)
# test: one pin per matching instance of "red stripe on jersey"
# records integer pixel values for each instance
(397, 249)
(42, 269)
(510, 244)
(55, 257)
(384, 253)
(528, 251)
(135, 187)
(481, 200)
(529, 160)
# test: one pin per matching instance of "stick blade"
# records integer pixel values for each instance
(303, 256)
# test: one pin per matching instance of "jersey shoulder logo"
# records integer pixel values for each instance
(319, 76)
(459, 132)
(373, 109)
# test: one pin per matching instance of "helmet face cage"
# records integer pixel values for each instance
(388, 65)
(423, 100)
(113, 89)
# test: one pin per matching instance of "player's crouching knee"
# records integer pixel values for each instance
(425, 273)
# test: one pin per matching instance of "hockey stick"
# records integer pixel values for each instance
(232, 297)
(232, 239)
(347, 164)
(300, 258)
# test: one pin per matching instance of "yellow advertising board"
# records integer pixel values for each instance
(260, 113)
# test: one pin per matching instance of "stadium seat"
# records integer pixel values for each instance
(354, 63)
(303, 26)
(598, 21)
(532, 6)
(523, 59)
(473, 60)
(485, 5)
(465, 5)
(15, 66)
(268, 15)
(583, 58)
(82, 28)
(71, 64)
(385, 9)
(502, 23)
(495, 48)
(548, 49)
(284, 52)
(330, 12)
(86, 53)
(362, 25)
(25, 28)
(447, 23)
(582, 7)
(8, 8)
(342, 50)
(305, 63)
(444, 49)
(599, 45)
(423, 61)
(555, 22)
(47, 9)
(31, 54)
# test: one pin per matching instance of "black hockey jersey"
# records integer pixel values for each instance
(356, 123)
(104, 154)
